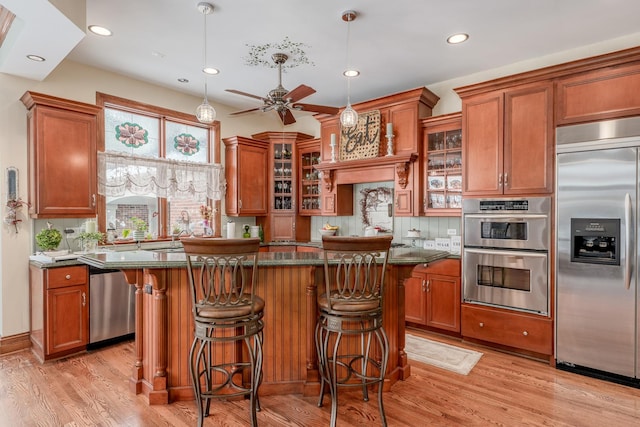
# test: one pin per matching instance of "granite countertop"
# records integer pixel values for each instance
(175, 258)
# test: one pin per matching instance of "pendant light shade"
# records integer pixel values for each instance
(349, 116)
(205, 113)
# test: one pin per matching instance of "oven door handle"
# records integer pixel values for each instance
(628, 245)
(510, 217)
(517, 254)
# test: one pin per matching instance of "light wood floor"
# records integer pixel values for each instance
(502, 390)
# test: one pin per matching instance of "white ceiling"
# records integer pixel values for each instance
(397, 45)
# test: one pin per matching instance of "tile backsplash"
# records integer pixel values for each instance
(430, 227)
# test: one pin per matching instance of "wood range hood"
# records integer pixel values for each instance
(387, 168)
(403, 111)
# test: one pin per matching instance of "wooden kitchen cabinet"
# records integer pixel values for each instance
(59, 310)
(247, 175)
(432, 295)
(601, 94)
(509, 328)
(508, 141)
(309, 186)
(442, 163)
(284, 223)
(62, 151)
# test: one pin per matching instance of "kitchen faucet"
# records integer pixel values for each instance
(173, 237)
(186, 221)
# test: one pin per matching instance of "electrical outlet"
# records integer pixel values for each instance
(452, 232)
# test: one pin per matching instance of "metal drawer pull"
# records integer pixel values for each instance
(84, 299)
(525, 333)
(68, 276)
(481, 324)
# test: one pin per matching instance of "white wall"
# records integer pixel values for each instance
(78, 82)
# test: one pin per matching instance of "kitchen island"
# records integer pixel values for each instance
(288, 283)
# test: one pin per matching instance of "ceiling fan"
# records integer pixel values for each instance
(282, 100)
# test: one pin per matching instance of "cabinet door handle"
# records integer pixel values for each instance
(424, 285)
(506, 179)
(93, 200)
(481, 324)
(500, 180)
(240, 203)
(84, 299)
(68, 277)
(397, 203)
(525, 333)
(428, 281)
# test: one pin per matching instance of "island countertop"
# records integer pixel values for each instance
(175, 258)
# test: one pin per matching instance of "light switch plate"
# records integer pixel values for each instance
(452, 232)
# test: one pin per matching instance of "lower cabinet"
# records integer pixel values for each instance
(59, 310)
(432, 295)
(513, 329)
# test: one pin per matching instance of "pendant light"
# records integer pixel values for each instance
(349, 116)
(205, 112)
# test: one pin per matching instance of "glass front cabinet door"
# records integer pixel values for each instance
(309, 179)
(443, 165)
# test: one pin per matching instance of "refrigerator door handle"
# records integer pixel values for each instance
(628, 246)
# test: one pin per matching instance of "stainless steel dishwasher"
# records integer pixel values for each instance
(111, 307)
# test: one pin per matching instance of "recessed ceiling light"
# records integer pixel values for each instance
(36, 58)
(210, 70)
(457, 38)
(351, 73)
(101, 31)
(183, 80)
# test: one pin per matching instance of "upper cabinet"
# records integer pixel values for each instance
(602, 94)
(62, 146)
(309, 182)
(442, 158)
(246, 169)
(285, 221)
(508, 141)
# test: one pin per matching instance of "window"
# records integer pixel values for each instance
(156, 165)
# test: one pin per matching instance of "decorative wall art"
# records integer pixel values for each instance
(363, 140)
(376, 208)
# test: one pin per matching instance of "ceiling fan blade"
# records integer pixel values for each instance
(316, 108)
(298, 93)
(244, 111)
(237, 92)
(286, 116)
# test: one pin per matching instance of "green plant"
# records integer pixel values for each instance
(48, 239)
(96, 235)
(139, 224)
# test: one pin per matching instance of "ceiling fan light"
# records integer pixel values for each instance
(205, 112)
(349, 117)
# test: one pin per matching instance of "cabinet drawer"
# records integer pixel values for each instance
(67, 276)
(506, 328)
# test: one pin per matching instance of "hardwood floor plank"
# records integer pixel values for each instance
(92, 390)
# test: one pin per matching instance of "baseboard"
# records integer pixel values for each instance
(14, 343)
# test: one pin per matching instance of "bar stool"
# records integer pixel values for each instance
(227, 313)
(350, 305)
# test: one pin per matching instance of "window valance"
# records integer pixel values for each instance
(119, 173)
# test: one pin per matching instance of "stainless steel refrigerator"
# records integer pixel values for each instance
(598, 249)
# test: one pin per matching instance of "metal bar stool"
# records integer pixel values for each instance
(227, 313)
(350, 307)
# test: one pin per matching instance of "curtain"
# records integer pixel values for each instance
(173, 179)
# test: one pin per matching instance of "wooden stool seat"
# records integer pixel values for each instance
(225, 359)
(350, 304)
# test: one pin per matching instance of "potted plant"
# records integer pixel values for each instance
(48, 239)
(141, 228)
(89, 240)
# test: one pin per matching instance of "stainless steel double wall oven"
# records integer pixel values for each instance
(505, 254)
